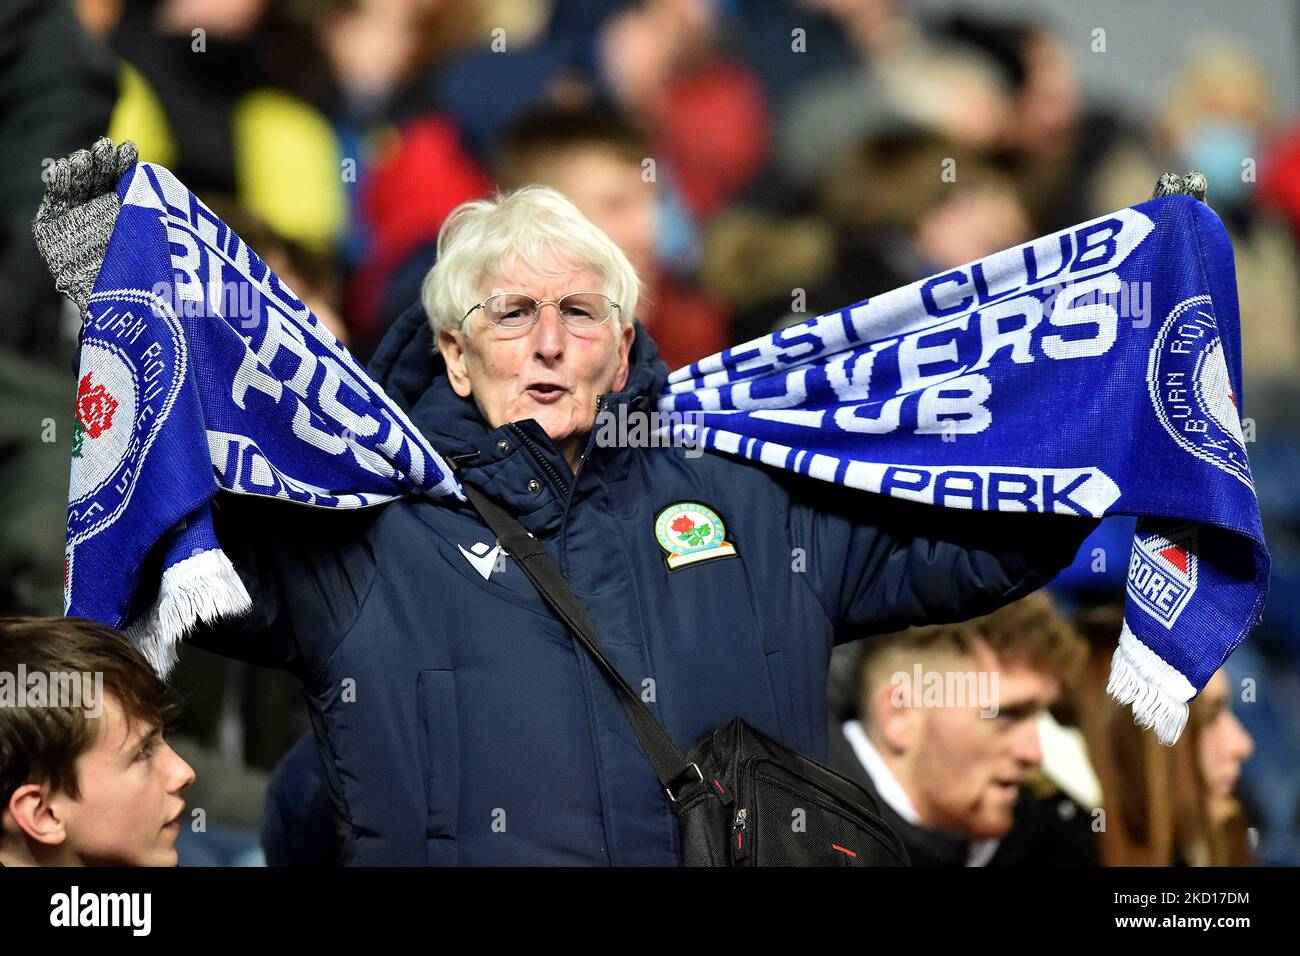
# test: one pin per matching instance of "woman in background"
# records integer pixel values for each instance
(1165, 806)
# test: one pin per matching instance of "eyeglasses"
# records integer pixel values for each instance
(515, 310)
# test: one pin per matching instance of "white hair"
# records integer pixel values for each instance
(533, 225)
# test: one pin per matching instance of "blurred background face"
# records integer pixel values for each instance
(372, 46)
(1048, 105)
(611, 193)
(1223, 746)
(223, 18)
(130, 805)
(964, 771)
(974, 222)
(548, 371)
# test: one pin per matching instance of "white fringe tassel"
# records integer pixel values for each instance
(198, 589)
(1157, 691)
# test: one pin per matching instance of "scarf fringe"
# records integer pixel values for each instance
(1157, 691)
(199, 589)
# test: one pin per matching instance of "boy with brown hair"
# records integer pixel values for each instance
(85, 775)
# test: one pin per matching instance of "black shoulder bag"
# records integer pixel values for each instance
(741, 798)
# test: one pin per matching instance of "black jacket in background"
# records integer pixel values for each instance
(57, 89)
(1046, 831)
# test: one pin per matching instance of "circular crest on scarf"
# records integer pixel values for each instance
(131, 368)
(1192, 392)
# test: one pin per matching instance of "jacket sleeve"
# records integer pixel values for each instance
(307, 571)
(880, 564)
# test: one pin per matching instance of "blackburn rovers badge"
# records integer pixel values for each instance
(1191, 389)
(691, 532)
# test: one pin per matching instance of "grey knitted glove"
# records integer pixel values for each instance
(77, 214)
(1171, 184)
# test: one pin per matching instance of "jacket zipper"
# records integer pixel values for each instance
(558, 483)
(595, 424)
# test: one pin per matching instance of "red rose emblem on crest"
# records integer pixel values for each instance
(95, 407)
(682, 524)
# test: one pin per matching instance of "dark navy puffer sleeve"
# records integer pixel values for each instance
(880, 564)
(307, 571)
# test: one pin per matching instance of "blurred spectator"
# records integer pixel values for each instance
(919, 204)
(1165, 806)
(1270, 780)
(375, 50)
(906, 75)
(300, 823)
(958, 777)
(1221, 111)
(1059, 151)
(56, 93)
(598, 161)
(375, 60)
(702, 109)
(1279, 176)
(205, 92)
(517, 64)
(769, 31)
(890, 210)
(415, 182)
(57, 87)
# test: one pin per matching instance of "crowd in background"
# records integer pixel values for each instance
(760, 162)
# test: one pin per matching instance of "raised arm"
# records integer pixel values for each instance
(880, 564)
(307, 573)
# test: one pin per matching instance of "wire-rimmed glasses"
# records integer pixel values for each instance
(514, 311)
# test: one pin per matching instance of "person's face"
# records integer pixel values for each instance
(965, 769)
(609, 191)
(971, 224)
(1222, 747)
(502, 368)
(130, 806)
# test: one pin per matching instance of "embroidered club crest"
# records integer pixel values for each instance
(131, 371)
(691, 532)
(1190, 388)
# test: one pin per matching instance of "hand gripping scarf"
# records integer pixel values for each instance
(1091, 372)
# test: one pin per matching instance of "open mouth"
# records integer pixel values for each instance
(544, 392)
(1006, 789)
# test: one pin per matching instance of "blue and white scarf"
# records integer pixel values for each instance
(1090, 372)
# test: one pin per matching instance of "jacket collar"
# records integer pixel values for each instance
(517, 463)
(926, 846)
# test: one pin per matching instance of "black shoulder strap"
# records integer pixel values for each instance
(670, 764)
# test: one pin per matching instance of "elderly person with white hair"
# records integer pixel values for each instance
(456, 719)
(512, 260)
